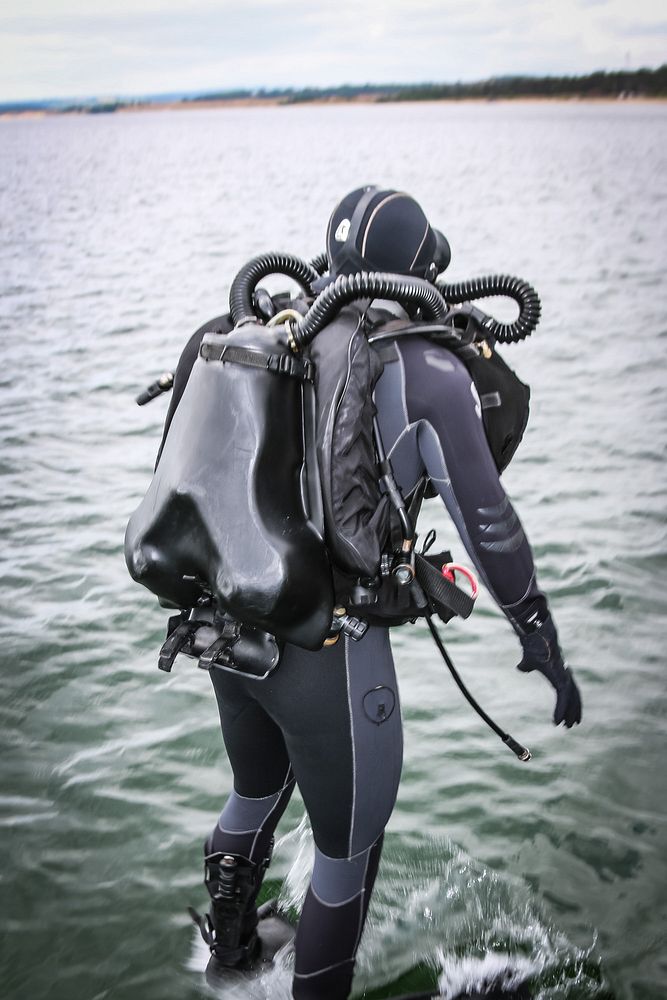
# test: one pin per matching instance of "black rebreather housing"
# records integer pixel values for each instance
(232, 509)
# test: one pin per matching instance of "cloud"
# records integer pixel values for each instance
(70, 47)
(634, 29)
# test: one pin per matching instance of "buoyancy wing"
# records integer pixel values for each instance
(356, 513)
(226, 511)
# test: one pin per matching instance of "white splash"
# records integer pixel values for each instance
(440, 909)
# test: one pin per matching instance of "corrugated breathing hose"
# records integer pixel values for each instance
(498, 284)
(377, 285)
(245, 282)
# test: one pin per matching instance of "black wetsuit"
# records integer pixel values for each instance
(330, 720)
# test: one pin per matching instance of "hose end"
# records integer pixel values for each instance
(163, 384)
(523, 753)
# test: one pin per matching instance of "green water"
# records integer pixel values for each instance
(118, 236)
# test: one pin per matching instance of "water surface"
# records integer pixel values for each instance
(119, 235)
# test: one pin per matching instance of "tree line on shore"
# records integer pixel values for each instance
(602, 84)
(616, 83)
(619, 83)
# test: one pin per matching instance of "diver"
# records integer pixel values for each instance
(328, 720)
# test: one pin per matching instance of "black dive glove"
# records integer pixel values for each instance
(542, 652)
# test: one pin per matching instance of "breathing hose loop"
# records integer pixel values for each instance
(499, 284)
(433, 300)
(244, 284)
(377, 285)
(320, 263)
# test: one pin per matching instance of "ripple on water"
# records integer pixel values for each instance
(437, 909)
(116, 243)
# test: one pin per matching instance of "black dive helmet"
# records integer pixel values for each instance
(374, 229)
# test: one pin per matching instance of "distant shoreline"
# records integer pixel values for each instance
(602, 86)
(271, 102)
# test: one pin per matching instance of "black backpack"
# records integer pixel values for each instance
(267, 511)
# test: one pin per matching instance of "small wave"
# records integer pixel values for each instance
(445, 912)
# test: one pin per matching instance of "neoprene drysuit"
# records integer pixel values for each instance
(330, 720)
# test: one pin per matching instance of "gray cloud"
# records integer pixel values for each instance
(69, 47)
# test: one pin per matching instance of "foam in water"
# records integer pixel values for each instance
(445, 911)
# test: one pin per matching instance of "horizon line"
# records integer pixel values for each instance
(322, 89)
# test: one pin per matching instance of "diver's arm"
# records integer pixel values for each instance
(441, 401)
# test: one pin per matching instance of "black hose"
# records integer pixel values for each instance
(245, 282)
(498, 284)
(523, 753)
(346, 288)
(320, 263)
(388, 480)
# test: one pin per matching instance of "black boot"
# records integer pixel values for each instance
(230, 926)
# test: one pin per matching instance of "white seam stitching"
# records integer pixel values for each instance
(262, 798)
(287, 777)
(420, 246)
(333, 906)
(385, 201)
(462, 529)
(524, 596)
(361, 902)
(266, 818)
(351, 857)
(309, 975)
(404, 400)
(354, 756)
(406, 430)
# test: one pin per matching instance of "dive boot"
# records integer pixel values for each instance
(273, 932)
(242, 938)
(230, 926)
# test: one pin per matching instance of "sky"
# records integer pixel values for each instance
(78, 48)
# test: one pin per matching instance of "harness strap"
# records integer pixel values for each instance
(442, 590)
(282, 364)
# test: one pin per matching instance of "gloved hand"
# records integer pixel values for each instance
(542, 652)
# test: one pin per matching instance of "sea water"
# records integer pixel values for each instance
(119, 235)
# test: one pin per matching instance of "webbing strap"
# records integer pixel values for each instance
(441, 589)
(283, 364)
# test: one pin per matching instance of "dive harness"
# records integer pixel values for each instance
(448, 317)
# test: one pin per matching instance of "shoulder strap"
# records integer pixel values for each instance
(283, 364)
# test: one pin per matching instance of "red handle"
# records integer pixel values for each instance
(450, 569)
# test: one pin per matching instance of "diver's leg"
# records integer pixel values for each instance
(238, 849)
(340, 713)
(331, 924)
(263, 779)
